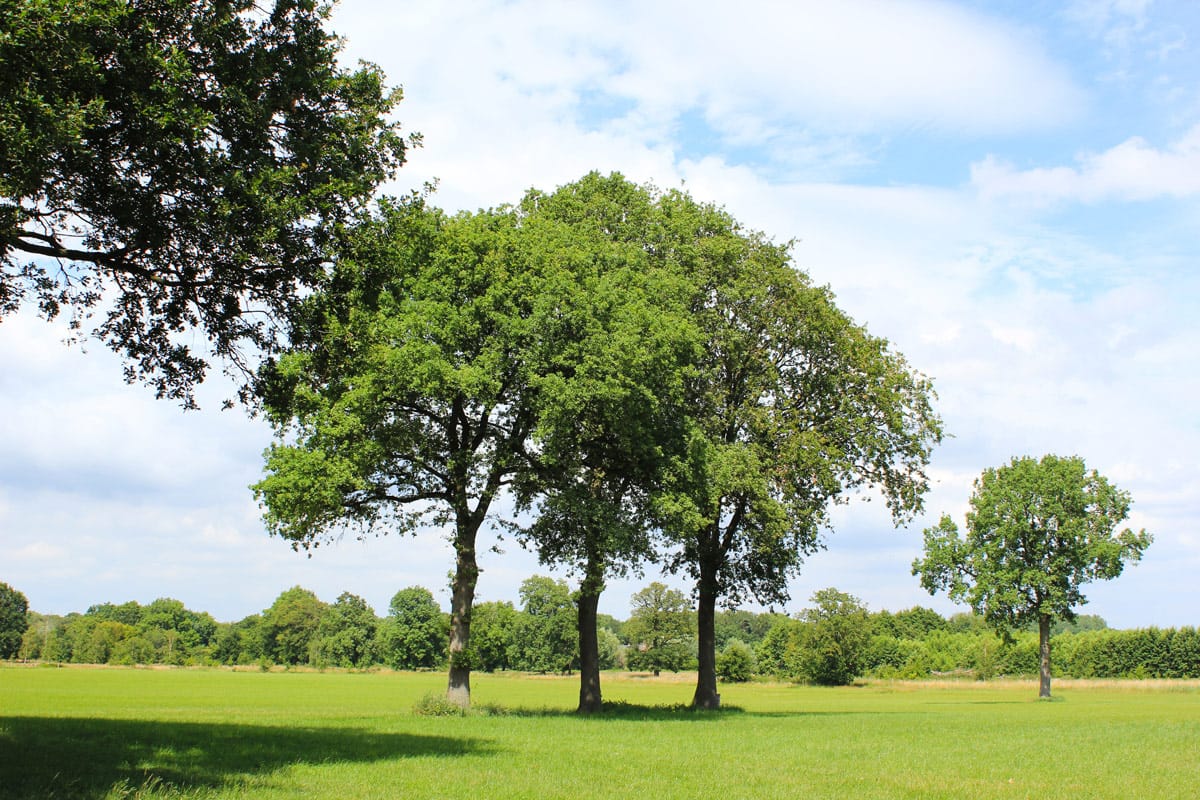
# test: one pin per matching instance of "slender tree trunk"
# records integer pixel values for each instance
(1044, 652)
(706, 680)
(466, 575)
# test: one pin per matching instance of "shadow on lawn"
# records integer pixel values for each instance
(48, 757)
(621, 710)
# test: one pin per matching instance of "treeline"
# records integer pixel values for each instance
(833, 642)
(838, 639)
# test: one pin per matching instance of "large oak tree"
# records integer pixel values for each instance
(791, 408)
(404, 397)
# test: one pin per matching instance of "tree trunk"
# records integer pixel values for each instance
(589, 647)
(706, 696)
(1044, 652)
(466, 575)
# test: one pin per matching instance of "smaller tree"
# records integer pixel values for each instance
(661, 630)
(493, 626)
(833, 638)
(1036, 531)
(547, 632)
(416, 632)
(346, 634)
(14, 619)
(735, 663)
(289, 625)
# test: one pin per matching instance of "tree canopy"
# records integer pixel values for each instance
(661, 629)
(1036, 532)
(14, 613)
(180, 164)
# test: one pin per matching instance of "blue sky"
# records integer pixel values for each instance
(1007, 191)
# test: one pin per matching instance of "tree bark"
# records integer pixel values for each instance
(706, 696)
(1044, 652)
(589, 648)
(466, 575)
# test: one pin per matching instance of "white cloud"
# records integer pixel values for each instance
(1130, 171)
(595, 85)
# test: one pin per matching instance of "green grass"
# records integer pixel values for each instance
(113, 733)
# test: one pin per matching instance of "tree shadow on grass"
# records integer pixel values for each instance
(46, 757)
(621, 710)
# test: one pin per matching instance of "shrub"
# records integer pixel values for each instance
(735, 663)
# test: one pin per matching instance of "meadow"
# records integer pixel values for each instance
(212, 733)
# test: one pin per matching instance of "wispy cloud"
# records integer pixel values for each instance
(1133, 170)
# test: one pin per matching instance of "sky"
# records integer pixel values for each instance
(1009, 192)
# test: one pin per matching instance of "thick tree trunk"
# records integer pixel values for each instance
(589, 649)
(466, 575)
(1044, 652)
(706, 680)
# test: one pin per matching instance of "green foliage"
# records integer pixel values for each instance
(791, 405)
(436, 704)
(661, 630)
(745, 626)
(345, 636)
(14, 619)
(1036, 532)
(833, 640)
(611, 651)
(405, 395)
(416, 631)
(493, 632)
(546, 633)
(181, 164)
(290, 625)
(1143, 653)
(735, 663)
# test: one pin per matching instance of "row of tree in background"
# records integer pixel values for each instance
(832, 642)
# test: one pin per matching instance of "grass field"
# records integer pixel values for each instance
(100, 733)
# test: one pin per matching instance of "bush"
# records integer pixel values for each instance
(735, 663)
(437, 705)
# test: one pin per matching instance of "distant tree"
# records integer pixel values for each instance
(834, 636)
(416, 630)
(913, 623)
(289, 625)
(178, 633)
(181, 164)
(239, 642)
(345, 636)
(1036, 532)
(493, 628)
(778, 652)
(14, 619)
(546, 637)
(661, 629)
(129, 612)
(735, 663)
(610, 651)
(747, 627)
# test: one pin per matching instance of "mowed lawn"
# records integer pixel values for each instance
(95, 733)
